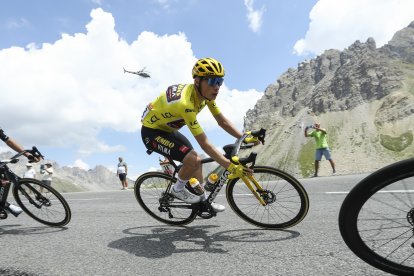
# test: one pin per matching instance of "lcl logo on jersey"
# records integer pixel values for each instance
(194, 124)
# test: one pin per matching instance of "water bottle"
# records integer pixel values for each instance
(198, 189)
(211, 182)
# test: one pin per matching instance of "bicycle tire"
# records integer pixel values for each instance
(149, 189)
(376, 218)
(49, 207)
(290, 200)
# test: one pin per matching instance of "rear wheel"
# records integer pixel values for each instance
(287, 202)
(42, 202)
(152, 193)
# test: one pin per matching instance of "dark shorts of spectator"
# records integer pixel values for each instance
(122, 176)
(47, 182)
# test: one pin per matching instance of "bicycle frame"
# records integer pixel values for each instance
(14, 179)
(231, 151)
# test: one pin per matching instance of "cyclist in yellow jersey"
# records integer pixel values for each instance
(179, 106)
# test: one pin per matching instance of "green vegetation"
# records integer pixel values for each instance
(63, 186)
(306, 158)
(397, 144)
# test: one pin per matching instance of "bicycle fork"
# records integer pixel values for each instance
(257, 191)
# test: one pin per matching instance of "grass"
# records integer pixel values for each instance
(306, 158)
(397, 144)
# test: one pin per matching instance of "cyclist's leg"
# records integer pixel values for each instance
(175, 146)
(191, 167)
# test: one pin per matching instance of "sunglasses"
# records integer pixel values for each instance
(215, 81)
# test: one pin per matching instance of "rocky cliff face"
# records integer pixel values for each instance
(363, 96)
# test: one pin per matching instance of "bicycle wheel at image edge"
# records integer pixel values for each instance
(42, 202)
(287, 200)
(150, 191)
(377, 216)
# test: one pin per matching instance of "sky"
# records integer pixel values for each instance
(63, 88)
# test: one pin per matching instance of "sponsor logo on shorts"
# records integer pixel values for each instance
(164, 142)
(164, 150)
(184, 149)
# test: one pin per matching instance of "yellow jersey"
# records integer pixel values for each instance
(176, 107)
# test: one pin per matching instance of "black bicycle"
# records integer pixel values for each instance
(39, 201)
(270, 198)
(376, 219)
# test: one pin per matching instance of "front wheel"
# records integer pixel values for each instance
(287, 202)
(42, 202)
(376, 219)
(152, 193)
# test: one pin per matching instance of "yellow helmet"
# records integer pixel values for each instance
(206, 67)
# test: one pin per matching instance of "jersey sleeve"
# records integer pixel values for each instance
(190, 118)
(212, 106)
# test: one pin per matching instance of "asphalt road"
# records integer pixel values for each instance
(110, 234)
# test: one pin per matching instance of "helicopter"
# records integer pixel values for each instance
(140, 73)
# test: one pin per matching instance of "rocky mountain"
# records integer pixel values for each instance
(73, 179)
(363, 96)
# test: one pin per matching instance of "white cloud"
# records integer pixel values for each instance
(17, 23)
(337, 24)
(255, 17)
(80, 164)
(65, 93)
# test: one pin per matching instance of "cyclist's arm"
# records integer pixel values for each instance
(228, 126)
(211, 150)
(14, 145)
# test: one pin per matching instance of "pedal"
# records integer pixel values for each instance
(205, 210)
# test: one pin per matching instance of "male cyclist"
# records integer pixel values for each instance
(15, 210)
(179, 106)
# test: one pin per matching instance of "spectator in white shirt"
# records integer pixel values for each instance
(30, 171)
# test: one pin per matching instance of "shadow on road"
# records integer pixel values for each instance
(161, 242)
(16, 229)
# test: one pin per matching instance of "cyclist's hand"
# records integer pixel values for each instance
(32, 158)
(250, 139)
(237, 171)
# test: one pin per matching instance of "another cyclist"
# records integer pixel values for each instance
(179, 106)
(15, 146)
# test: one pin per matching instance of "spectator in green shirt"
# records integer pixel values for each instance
(322, 148)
